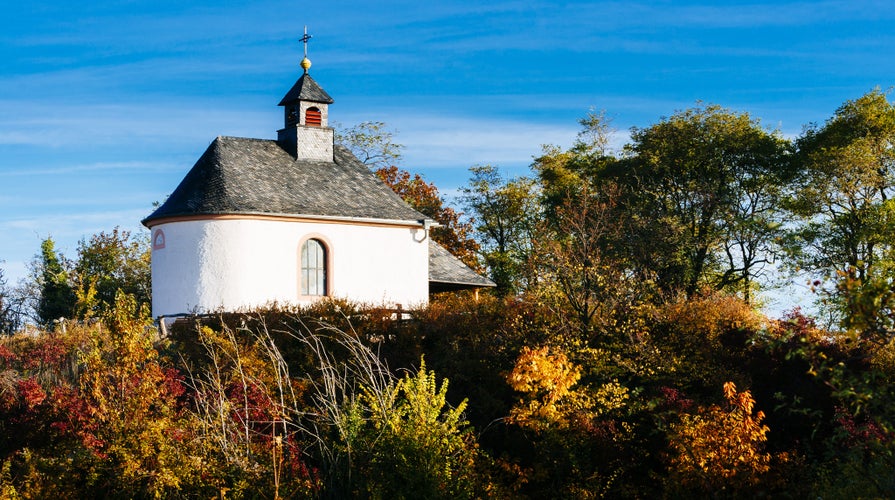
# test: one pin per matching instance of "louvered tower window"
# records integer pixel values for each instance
(313, 117)
(313, 268)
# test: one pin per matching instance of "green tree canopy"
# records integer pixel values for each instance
(110, 262)
(843, 201)
(505, 212)
(50, 272)
(702, 186)
(563, 175)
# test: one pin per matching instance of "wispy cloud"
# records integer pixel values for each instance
(117, 167)
(462, 141)
(30, 123)
(77, 223)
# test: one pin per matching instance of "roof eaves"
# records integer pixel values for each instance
(484, 283)
(154, 221)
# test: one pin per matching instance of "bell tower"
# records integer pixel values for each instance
(306, 134)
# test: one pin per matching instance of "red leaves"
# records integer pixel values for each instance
(674, 399)
(173, 383)
(32, 394)
(861, 432)
(252, 402)
(6, 355)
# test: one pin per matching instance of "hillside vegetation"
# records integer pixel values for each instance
(623, 353)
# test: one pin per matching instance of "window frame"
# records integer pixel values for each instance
(326, 267)
(317, 114)
(158, 239)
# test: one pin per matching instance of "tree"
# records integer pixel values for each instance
(505, 212)
(12, 308)
(50, 272)
(110, 262)
(565, 174)
(371, 142)
(582, 252)
(5, 320)
(579, 275)
(701, 198)
(454, 234)
(595, 134)
(844, 203)
(720, 449)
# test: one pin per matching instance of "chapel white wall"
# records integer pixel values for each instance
(237, 264)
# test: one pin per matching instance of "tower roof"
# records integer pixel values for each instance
(306, 89)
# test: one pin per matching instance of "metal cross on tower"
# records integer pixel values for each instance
(305, 39)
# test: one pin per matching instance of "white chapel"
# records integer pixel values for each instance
(291, 221)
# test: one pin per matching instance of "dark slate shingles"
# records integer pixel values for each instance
(446, 269)
(306, 89)
(255, 176)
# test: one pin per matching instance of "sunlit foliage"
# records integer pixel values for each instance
(720, 448)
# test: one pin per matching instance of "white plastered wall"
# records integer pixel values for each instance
(236, 264)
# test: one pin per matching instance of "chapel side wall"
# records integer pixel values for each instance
(175, 270)
(380, 265)
(234, 264)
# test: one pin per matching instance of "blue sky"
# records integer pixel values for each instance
(105, 105)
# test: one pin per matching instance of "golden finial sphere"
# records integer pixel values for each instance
(306, 64)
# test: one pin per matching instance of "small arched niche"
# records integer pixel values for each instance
(313, 117)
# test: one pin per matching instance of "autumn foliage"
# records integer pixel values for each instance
(622, 355)
(454, 233)
(720, 447)
(336, 400)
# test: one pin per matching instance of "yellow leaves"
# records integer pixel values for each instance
(86, 299)
(130, 401)
(611, 396)
(547, 380)
(409, 442)
(425, 404)
(537, 371)
(708, 317)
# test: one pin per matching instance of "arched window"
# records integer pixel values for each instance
(158, 240)
(313, 268)
(313, 118)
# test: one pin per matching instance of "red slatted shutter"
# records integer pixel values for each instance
(313, 117)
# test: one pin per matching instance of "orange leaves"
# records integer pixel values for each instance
(454, 234)
(721, 448)
(741, 401)
(712, 315)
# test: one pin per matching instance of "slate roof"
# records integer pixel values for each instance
(447, 272)
(306, 89)
(255, 176)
